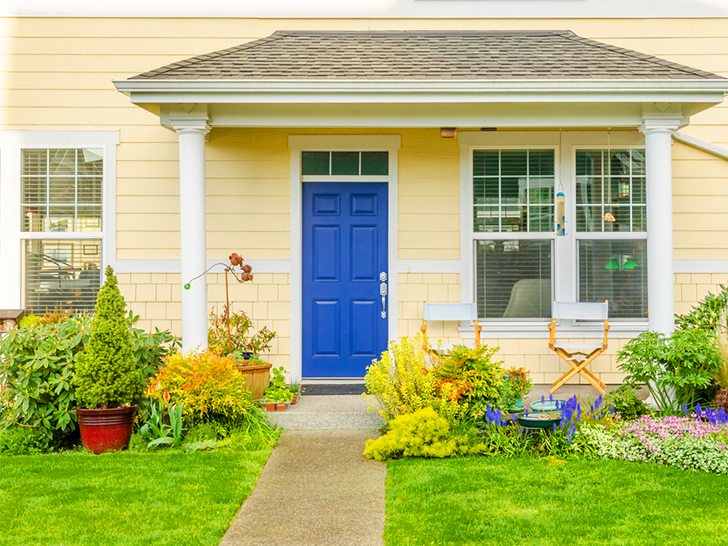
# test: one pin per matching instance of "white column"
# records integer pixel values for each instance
(660, 281)
(193, 232)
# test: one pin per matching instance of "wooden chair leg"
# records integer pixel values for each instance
(580, 368)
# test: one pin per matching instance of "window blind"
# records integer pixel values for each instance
(61, 274)
(615, 270)
(513, 278)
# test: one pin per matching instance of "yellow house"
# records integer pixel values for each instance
(365, 160)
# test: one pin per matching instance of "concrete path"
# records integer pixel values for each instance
(317, 489)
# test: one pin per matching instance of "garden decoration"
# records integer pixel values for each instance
(245, 274)
(108, 378)
(579, 355)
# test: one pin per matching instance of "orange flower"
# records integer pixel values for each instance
(166, 395)
(159, 384)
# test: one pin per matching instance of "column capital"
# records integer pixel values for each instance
(659, 124)
(191, 126)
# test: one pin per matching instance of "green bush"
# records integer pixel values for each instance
(107, 375)
(16, 440)
(684, 364)
(625, 402)
(37, 363)
(150, 348)
(420, 434)
(707, 315)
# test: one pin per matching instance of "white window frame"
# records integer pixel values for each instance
(11, 237)
(601, 235)
(565, 260)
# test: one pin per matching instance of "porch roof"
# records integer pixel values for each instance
(425, 55)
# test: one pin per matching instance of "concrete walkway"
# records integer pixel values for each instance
(317, 489)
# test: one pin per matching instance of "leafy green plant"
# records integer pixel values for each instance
(683, 364)
(277, 391)
(239, 341)
(160, 433)
(625, 402)
(475, 375)
(37, 364)
(150, 348)
(17, 440)
(399, 382)
(708, 314)
(107, 375)
(208, 385)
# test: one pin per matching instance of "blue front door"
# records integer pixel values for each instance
(344, 257)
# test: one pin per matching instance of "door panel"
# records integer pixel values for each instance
(344, 252)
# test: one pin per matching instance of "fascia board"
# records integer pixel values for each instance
(175, 91)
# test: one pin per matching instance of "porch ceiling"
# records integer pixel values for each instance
(401, 79)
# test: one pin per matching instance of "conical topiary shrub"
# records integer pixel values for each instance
(107, 374)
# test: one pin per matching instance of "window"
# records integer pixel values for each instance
(611, 202)
(513, 232)
(62, 221)
(345, 163)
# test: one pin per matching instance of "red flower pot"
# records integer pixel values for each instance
(105, 429)
(270, 406)
(281, 406)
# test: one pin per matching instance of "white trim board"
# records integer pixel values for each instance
(700, 266)
(175, 266)
(701, 144)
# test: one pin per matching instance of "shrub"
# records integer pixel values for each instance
(37, 363)
(625, 402)
(399, 381)
(150, 348)
(420, 434)
(107, 375)
(208, 385)
(708, 314)
(16, 440)
(685, 363)
(478, 380)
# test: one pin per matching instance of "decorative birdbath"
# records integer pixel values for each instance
(546, 406)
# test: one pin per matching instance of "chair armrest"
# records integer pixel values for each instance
(606, 329)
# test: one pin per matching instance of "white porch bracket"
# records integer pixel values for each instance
(192, 128)
(658, 158)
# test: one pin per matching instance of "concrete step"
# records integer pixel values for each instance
(322, 412)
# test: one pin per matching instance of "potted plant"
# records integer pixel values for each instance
(228, 332)
(108, 379)
(520, 385)
(277, 391)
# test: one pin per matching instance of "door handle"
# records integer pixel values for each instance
(383, 293)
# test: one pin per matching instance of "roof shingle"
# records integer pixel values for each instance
(426, 56)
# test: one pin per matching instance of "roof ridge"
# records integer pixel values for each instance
(642, 56)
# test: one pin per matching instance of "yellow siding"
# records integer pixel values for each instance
(58, 74)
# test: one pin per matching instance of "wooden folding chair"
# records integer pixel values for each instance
(449, 312)
(579, 355)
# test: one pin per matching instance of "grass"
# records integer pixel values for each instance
(165, 498)
(527, 502)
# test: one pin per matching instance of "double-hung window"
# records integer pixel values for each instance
(513, 232)
(61, 227)
(611, 230)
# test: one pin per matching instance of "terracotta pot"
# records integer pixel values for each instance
(105, 430)
(281, 406)
(270, 406)
(256, 378)
(294, 399)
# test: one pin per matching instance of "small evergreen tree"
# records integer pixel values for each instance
(107, 374)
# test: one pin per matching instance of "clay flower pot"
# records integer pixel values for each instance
(270, 406)
(281, 406)
(105, 430)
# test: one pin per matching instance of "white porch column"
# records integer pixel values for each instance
(193, 231)
(660, 281)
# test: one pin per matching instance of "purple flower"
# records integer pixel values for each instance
(698, 410)
(685, 409)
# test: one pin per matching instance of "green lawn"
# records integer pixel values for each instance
(124, 498)
(526, 502)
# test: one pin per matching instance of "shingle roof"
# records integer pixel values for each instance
(422, 55)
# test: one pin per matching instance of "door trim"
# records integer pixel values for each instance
(298, 143)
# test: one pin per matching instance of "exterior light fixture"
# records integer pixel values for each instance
(448, 132)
